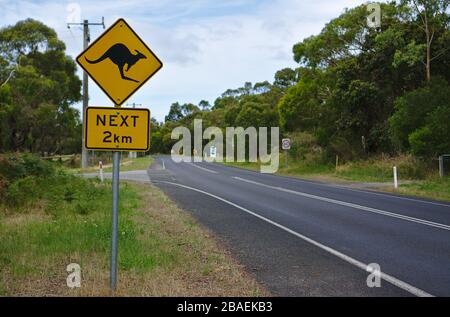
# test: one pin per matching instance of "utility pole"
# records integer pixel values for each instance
(133, 155)
(86, 40)
(134, 104)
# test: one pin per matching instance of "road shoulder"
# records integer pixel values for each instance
(163, 251)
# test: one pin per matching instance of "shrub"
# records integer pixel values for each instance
(3, 187)
(421, 120)
(26, 180)
(376, 169)
(23, 191)
(342, 147)
(304, 147)
(10, 167)
(35, 166)
(15, 166)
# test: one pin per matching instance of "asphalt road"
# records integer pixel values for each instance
(304, 238)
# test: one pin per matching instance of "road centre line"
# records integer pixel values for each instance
(388, 278)
(392, 196)
(205, 169)
(370, 192)
(351, 205)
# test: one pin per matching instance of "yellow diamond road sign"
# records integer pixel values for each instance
(119, 62)
(117, 129)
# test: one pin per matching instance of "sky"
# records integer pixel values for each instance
(207, 46)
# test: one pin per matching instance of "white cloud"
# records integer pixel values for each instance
(207, 46)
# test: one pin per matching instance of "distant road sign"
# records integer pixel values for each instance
(117, 129)
(286, 144)
(213, 152)
(119, 62)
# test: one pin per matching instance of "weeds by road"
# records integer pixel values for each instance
(126, 164)
(415, 179)
(51, 220)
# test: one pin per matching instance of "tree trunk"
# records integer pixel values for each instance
(429, 40)
(428, 63)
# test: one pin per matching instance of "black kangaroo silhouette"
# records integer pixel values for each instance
(120, 55)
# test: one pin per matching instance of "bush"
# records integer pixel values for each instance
(23, 191)
(58, 192)
(304, 147)
(433, 139)
(376, 169)
(421, 121)
(26, 180)
(16, 166)
(3, 187)
(341, 146)
(11, 168)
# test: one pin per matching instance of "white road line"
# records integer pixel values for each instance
(392, 196)
(370, 192)
(388, 278)
(351, 205)
(164, 165)
(202, 168)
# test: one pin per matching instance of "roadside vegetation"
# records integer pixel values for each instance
(49, 219)
(373, 97)
(140, 163)
(126, 164)
(416, 178)
(358, 92)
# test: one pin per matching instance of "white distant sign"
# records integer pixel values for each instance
(286, 144)
(213, 152)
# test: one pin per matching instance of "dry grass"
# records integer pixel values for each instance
(191, 262)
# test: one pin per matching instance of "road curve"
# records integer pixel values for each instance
(304, 238)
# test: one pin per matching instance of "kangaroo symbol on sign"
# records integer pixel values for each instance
(120, 55)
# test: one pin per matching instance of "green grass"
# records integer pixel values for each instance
(420, 180)
(81, 226)
(126, 164)
(140, 163)
(51, 222)
(436, 188)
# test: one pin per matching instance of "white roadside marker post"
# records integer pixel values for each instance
(395, 178)
(286, 153)
(100, 163)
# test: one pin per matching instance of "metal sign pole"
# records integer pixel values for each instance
(115, 219)
(107, 134)
(286, 158)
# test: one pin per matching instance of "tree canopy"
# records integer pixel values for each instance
(38, 85)
(357, 89)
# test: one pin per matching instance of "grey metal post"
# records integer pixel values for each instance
(84, 152)
(286, 158)
(133, 155)
(115, 220)
(86, 40)
(441, 166)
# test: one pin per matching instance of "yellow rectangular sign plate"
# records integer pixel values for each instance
(117, 129)
(119, 62)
